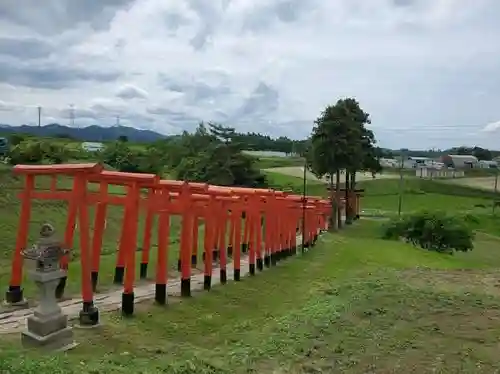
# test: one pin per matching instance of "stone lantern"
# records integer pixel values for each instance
(47, 327)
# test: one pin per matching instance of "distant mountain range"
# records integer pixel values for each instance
(90, 133)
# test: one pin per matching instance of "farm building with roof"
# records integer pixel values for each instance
(484, 164)
(460, 161)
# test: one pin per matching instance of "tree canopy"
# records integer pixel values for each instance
(211, 154)
(340, 141)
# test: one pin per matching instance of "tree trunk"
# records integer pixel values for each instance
(332, 224)
(348, 215)
(337, 199)
(353, 188)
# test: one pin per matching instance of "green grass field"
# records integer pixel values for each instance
(296, 185)
(417, 194)
(372, 306)
(381, 196)
(276, 162)
(356, 304)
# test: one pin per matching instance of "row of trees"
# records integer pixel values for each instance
(252, 141)
(479, 152)
(341, 143)
(259, 142)
(210, 154)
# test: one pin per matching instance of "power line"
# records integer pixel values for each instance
(401, 183)
(495, 191)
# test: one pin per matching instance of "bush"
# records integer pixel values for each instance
(15, 139)
(434, 231)
(122, 158)
(35, 152)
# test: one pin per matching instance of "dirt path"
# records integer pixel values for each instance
(15, 321)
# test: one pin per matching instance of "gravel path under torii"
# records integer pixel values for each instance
(15, 320)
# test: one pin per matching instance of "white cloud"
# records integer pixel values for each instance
(129, 91)
(491, 127)
(260, 65)
(5, 106)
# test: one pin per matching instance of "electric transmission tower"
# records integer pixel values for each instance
(72, 115)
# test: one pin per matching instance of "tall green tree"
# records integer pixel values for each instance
(337, 143)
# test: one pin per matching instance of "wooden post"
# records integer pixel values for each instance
(185, 247)
(194, 241)
(14, 294)
(146, 240)
(208, 246)
(99, 227)
(236, 212)
(132, 217)
(163, 248)
(221, 243)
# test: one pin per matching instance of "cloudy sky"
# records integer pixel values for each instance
(427, 71)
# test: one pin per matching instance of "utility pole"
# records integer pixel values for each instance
(304, 204)
(72, 115)
(39, 116)
(495, 191)
(400, 198)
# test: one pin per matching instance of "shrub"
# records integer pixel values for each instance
(26, 153)
(119, 156)
(55, 153)
(434, 231)
(471, 218)
(122, 158)
(36, 152)
(15, 139)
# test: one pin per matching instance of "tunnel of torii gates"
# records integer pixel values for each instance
(263, 225)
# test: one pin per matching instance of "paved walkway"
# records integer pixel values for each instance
(15, 321)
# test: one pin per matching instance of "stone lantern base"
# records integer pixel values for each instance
(48, 327)
(48, 333)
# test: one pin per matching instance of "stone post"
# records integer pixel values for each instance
(47, 328)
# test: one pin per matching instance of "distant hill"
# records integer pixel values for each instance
(90, 133)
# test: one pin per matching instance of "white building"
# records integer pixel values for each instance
(415, 162)
(483, 164)
(460, 161)
(92, 147)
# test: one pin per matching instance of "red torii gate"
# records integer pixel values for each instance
(77, 207)
(277, 211)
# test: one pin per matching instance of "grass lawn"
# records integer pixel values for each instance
(417, 194)
(296, 185)
(483, 183)
(275, 162)
(416, 202)
(355, 304)
(382, 195)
